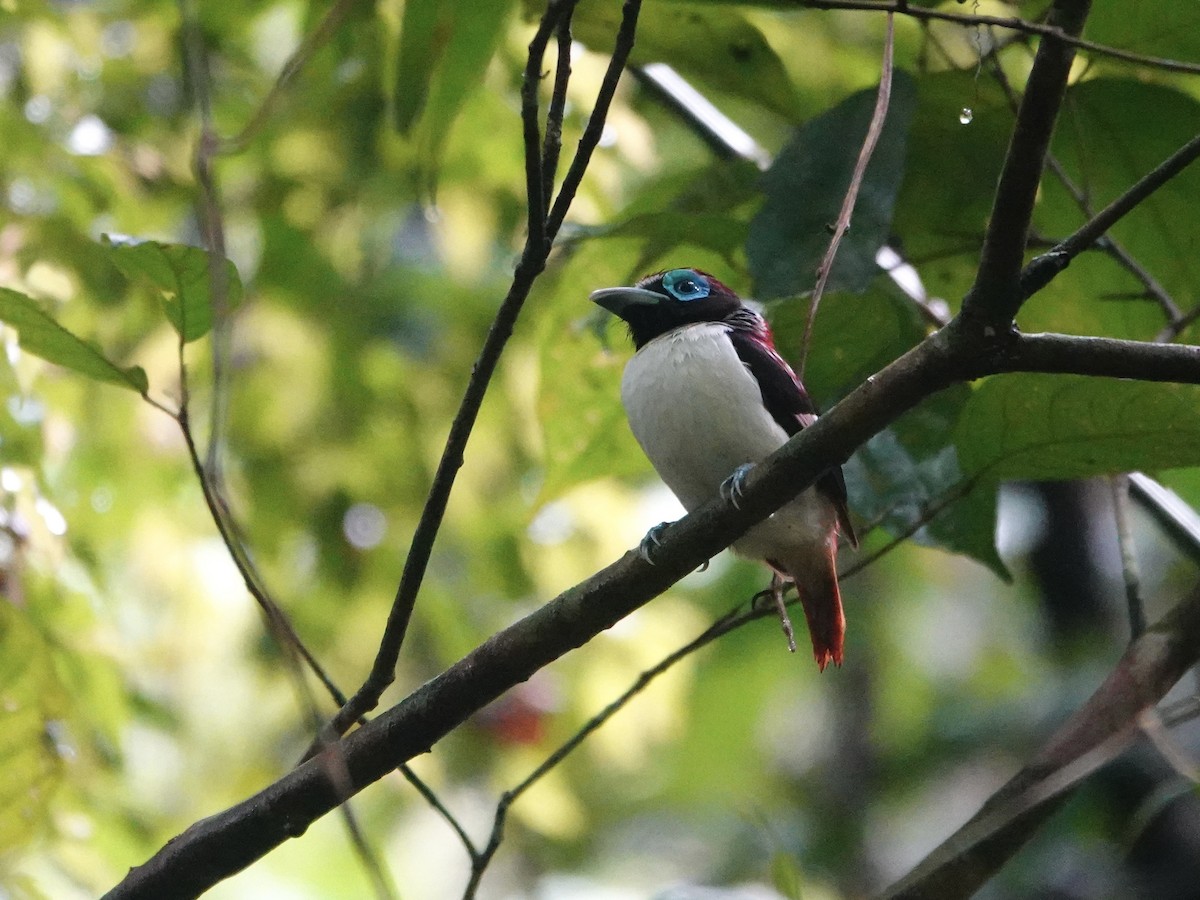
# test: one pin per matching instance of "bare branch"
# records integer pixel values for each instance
(295, 64)
(1103, 357)
(1010, 23)
(1096, 733)
(882, 99)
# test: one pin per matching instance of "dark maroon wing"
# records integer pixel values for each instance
(790, 406)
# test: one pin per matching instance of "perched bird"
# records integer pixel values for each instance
(707, 396)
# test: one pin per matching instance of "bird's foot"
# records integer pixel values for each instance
(734, 486)
(652, 541)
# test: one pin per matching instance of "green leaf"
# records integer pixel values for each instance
(908, 474)
(1042, 427)
(445, 48)
(182, 275)
(946, 196)
(1159, 233)
(45, 338)
(805, 187)
(1154, 27)
(786, 876)
(421, 43)
(718, 47)
(31, 702)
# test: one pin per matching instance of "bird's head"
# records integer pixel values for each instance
(668, 300)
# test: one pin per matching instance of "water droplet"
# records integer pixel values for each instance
(966, 115)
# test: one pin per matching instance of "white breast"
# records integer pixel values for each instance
(696, 410)
(698, 414)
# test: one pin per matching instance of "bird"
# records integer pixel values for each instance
(708, 396)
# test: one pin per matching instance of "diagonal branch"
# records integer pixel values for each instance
(1095, 735)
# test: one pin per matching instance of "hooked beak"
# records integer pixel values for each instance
(618, 299)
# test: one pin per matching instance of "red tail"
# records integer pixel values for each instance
(815, 575)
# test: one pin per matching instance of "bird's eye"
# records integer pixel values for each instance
(684, 285)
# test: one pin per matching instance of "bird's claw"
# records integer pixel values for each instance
(734, 486)
(652, 541)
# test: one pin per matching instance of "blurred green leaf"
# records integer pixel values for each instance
(805, 188)
(44, 337)
(445, 48)
(786, 876)
(721, 48)
(182, 275)
(31, 704)
(1053, 427)
(421, 45)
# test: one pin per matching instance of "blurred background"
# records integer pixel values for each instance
(374, 209)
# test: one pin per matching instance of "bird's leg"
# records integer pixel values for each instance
(652, 541)
(776, 591)
(734, 486)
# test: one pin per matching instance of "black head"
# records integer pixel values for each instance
(667, 300)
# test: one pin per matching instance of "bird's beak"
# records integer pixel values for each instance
(618, 299)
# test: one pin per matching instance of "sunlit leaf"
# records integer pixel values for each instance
(1054, 427)
(184, 278)
(445, 48)
(44, 337)
(31, 704)
(805, 188)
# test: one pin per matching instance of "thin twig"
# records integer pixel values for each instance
(592, 132)
(212, 227)
(1010, 23)
(439, 807)
(878, 116)
(552, 144)
(1042, 269)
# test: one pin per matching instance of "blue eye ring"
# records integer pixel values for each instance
(686, 285)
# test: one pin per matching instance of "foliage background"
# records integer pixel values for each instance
(375, 235)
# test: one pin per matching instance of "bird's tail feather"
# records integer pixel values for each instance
(815, 575)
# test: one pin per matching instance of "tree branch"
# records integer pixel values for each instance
(874, 130)
(1092, 737)
(1010, 23)
(996, 295)
(1103, 357)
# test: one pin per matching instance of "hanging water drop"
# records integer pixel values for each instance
(966, 115)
